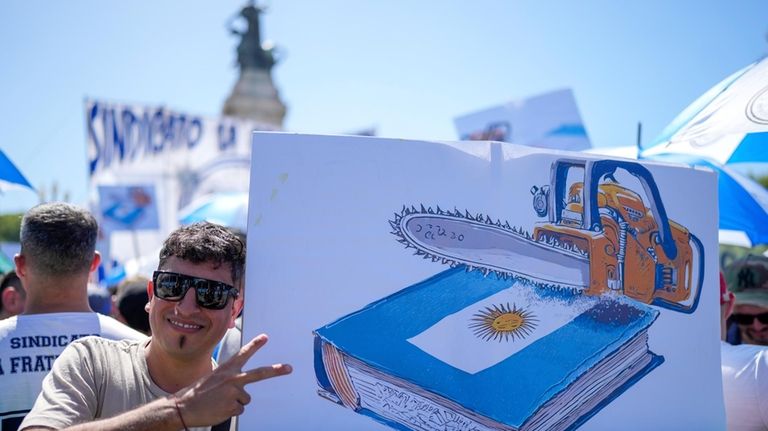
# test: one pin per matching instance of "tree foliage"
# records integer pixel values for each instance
(9, 227)
(762, 180)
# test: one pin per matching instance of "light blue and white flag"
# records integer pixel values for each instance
(498, 326)
(10, 175)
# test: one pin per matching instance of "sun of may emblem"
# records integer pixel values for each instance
(503, 323)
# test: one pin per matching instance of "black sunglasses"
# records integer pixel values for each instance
(747, 319)
(210, 294)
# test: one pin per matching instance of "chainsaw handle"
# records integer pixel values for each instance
(688, 309)
(608, 167)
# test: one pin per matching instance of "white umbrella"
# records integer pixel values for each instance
(226, 209)
(628, 152)
(727, 124)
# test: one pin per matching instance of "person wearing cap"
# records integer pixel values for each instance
(745, 376)
(747, 278)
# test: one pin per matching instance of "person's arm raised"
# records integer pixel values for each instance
(207, 402)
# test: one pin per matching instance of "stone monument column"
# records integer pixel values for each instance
(254, 95)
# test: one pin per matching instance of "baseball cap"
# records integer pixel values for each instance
(747, 278)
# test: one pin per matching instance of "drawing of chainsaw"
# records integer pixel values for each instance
(600, 238)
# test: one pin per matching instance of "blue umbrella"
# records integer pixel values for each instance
(227, 209)
(727, 124)
(742, 203)
(10, 176)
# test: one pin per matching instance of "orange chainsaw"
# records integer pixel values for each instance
(601, 237)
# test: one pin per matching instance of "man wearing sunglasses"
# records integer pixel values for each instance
(167, 382)
(747, 278)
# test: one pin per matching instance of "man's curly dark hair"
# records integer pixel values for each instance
(206, 242)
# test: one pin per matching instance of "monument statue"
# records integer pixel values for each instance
(251, 54)
(254, 96)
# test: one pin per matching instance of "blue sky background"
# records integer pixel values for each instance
(405, 67)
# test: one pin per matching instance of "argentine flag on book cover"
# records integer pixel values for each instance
(514, 318)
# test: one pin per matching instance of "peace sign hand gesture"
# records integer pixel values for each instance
(222, 394)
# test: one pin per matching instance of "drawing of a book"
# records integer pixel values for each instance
(531, 365)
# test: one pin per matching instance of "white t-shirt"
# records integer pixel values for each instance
(745, 386)
(95, 378)
(28, 346)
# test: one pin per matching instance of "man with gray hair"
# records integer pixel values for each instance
(58, 253)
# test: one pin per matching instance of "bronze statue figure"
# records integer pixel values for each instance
(250, 52)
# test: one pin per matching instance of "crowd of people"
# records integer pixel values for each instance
(144, 354)
(71, 367)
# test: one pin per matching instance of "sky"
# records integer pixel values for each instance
(407, 68)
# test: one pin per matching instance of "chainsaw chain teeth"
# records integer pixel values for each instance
(397, 230)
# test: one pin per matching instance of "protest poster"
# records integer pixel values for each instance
(479, 286)
(182, 156)
(128, 207)
(549, 120)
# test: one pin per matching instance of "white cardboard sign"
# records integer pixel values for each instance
(364, 253)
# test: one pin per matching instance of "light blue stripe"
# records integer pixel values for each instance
(568, 130)
(753, 148)
(738, 209)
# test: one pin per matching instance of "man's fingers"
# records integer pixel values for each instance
(263, 373)
(245, 353)
(244, 398)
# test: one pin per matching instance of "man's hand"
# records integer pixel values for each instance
(222, 394)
